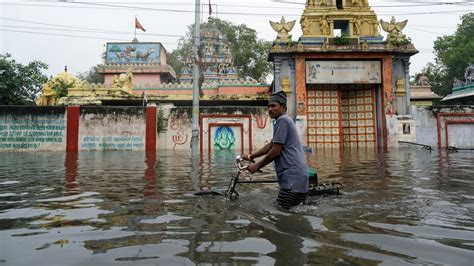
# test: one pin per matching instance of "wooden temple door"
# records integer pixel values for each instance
(341, 116)
(358, 115)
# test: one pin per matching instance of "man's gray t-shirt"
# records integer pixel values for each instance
(290, 166)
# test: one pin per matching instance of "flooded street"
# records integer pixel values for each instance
(405, 206)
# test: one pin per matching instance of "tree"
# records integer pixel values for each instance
(20, 84)
(249, 53)
(453, 54)
(177, 58)
(91, 76)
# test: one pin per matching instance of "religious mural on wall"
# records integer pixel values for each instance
(224, 138)
(180, 125)
(133, 53)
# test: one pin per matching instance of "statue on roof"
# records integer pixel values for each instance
(124, 80)
(394, 30)
(457, 83)
(283, 28)
(423, 79)
(469, 74)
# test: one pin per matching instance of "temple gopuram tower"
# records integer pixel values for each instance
(215, 56)
(346, 82)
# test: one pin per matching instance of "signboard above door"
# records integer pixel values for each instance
(343, 72)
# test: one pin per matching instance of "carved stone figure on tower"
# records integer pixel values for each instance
(324, 26)
(321, 3)
(357, 25)
(283, 28)
(305, 26)
(359, 3)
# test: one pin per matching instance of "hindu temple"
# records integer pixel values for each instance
(138, 71)
(345, 80)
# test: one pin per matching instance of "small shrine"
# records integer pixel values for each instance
(421, 93)
(343, 77)
(462, 91)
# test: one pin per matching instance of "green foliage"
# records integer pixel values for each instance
(91, 76)
(453, 54)
(19, 84)
(160, 122)
(61, 82)
(341, 40)
(249, 53)
(177, 58)
(401, 42)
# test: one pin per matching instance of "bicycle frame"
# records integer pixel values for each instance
(241, 169)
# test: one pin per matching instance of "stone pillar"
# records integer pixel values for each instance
(400, 93)
(406, 64)
(291, 63)
(277, 64)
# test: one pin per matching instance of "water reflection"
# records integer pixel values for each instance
(405, 206)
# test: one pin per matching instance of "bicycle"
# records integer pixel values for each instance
(314, 189)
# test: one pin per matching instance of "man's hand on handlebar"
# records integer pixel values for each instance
(252, 168)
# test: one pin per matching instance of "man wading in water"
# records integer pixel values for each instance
(286, 150)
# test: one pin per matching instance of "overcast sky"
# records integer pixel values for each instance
(74, 33)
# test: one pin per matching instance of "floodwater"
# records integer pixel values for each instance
(405, 206)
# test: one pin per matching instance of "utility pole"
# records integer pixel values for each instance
(195, 117)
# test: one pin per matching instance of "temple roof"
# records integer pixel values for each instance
(423, 93)
(215, 56)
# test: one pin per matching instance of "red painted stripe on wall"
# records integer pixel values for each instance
(72, 131)
(150, 141)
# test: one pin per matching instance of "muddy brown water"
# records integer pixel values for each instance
(401, 206)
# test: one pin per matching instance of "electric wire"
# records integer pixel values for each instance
(74, 36)
(115, 6)
(69, 27)
(233, 5)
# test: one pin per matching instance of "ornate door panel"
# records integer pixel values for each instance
(324, 116)
(358, 115)
(341, 115)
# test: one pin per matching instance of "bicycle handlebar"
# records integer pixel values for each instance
(238, 164)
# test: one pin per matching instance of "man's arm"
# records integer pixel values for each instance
(269, 157)
(264, 150)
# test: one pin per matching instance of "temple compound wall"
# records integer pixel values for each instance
(100, 128)
(32, 128)
(445, 126)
